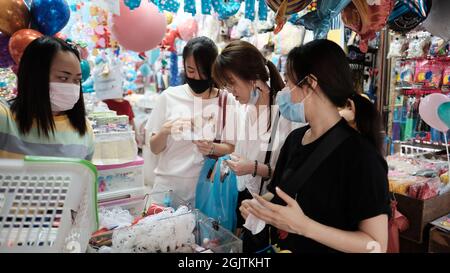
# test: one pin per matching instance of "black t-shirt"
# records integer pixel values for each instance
(349, 186)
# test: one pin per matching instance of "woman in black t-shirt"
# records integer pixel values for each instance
(344, 204)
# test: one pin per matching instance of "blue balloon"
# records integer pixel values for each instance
(88, 85)
(85, 70)
(320, 21)
(145, 70)
(50, 16)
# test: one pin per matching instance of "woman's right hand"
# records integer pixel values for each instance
(176, 126)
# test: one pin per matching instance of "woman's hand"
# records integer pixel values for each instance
(176, 126)
(240, 166)
(289, 218)
(205, 147)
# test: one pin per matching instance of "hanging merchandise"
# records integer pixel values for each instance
(366, 18)
(132, 4)
(418, 44)
(250, 9)
(407, 74)
(397, 46)
(262, 10)
(174, 80)
(226, 9)
(438, 47)
(189, 7)
(206, 6)
(446, 79)
(408, 14)
(428, 74)
(320, 20)
(167, 5)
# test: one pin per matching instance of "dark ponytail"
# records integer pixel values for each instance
(276, 82)
(368, 121)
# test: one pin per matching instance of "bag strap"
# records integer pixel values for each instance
(299, 178)
(222, 118)
(269, 148)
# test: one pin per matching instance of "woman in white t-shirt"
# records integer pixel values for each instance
(255, 82)
(185, 123)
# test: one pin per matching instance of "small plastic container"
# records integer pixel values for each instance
(120, 178)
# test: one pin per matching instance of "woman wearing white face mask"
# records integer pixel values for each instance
(47, 118)
(330, 188)
(254, 82)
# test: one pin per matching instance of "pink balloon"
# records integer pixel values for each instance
(188, 29)
(428, 110)
(140, 29)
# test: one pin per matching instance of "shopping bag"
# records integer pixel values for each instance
(217, 193)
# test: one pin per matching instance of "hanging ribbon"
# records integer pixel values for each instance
(250, 9)
(189, 7)
(174, 69)
(206, 6)
(262, 10)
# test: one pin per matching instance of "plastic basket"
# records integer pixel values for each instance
(47, 204)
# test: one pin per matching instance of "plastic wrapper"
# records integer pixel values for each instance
(428, 74)
(397, 46)
(425, 190)
(418, 45)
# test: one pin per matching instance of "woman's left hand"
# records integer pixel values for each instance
(289, 218)
(205, 147)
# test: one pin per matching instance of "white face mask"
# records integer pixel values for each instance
(63, 96)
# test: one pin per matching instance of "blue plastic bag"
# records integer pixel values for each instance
(217, 197)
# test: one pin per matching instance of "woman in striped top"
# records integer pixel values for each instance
(47, 118)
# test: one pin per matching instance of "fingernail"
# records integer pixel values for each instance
(277, 189)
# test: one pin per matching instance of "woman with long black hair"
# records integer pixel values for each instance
(330, 183)
(47, 118)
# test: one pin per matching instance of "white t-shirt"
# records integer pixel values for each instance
(181, 160)
(253, 142)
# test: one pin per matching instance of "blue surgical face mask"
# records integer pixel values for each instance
(294, 112)
(254, 96)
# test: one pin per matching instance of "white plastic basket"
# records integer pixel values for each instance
(47, 204)
(414, 151)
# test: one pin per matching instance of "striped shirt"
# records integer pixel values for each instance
(66, 141)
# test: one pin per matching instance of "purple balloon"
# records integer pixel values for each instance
(5, 58)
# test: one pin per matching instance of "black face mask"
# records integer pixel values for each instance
(198, 86)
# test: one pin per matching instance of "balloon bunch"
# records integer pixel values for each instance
(46, 17)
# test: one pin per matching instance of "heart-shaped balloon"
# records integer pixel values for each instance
(428, 110)
(444, 113)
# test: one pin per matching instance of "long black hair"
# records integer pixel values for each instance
(204, 51)
(32, 103)
(328, 63)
